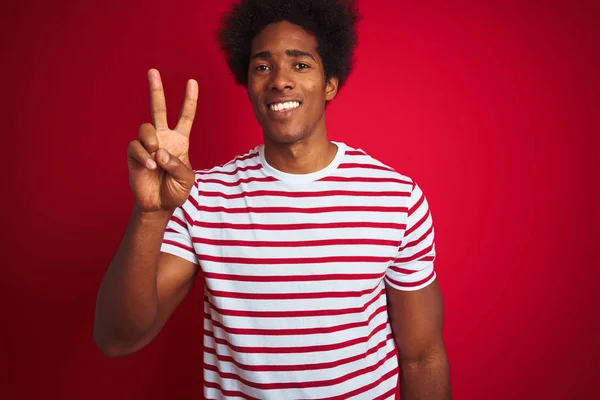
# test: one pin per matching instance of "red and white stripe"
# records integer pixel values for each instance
(295, 270)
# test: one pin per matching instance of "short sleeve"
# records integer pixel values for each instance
(177, 239)
(413, 267)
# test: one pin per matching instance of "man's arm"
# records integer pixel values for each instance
(141, 288)
(417, 318)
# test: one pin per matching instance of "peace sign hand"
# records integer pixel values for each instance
(160, 174)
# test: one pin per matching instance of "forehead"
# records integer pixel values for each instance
(281, 36)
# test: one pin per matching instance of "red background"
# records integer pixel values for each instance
(493, 107)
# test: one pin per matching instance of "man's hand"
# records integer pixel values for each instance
(160, 174)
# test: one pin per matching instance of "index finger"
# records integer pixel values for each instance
(158, 105)
(188, 110)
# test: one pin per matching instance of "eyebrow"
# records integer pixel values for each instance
(289, 53)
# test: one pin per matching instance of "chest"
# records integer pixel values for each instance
(298, 238)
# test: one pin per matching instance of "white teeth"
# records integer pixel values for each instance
(290, 105)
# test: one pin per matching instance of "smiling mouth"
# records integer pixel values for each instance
(283, 107)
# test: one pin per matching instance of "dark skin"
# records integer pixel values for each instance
(284, 66)
(143, 287)
(417, 318)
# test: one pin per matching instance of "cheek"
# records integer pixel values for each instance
(311, 88)
(254, 97)
(253, 87)
(318, 96)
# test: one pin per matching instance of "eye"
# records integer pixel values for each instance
(301, 66)
(262, 68)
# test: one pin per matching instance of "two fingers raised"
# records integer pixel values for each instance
(158, 105)
(144, 150)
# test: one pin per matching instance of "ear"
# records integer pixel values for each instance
(331, 88)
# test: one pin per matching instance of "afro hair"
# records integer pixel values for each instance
(332, 22)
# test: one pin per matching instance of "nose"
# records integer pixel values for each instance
(281, 80)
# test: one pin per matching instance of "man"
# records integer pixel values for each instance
(317, 259)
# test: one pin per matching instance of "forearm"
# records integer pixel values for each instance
(426, 378)
(127, 301)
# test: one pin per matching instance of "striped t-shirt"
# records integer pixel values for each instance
(294, 269)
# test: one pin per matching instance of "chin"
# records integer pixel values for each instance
(285, 137)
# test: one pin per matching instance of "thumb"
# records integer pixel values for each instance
(173, 166)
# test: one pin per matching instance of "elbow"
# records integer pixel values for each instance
(113, 351)
(109, 347)
(115, 340)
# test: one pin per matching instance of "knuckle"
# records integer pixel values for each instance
(187, 117)
(190, 100)
(146, 129)
(133, 148)
(148, 137)
(151, 145)
(147, 134)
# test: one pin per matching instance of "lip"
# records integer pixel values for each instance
(281, 115)
(281, 100)
(284, 114)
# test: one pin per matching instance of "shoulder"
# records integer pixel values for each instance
(359, 161)
(247, 161)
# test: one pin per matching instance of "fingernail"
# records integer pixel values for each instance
(165, 158)
(150, 164)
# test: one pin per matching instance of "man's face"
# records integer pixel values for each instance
(286, 83)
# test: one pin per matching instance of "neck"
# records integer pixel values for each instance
(308, 155)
